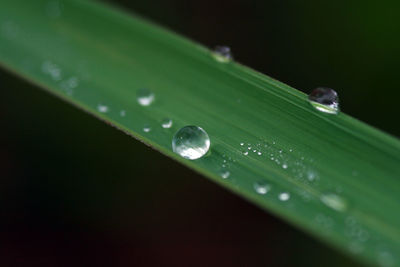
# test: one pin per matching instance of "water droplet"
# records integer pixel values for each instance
(52, 70)
(311, 176)
(145, 97)
(245, 153)
(122, 113)
(191, 142)
(102, 108)
(166, 123)
(146, 128)
(259, 153)
(325, 100)
(225, 174)
(334, 201)
(261, 188)
(242, 144)
(284, 196)
(284, 165)
(69, 84)
(222, 54)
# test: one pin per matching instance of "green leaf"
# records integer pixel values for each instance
(327, 174)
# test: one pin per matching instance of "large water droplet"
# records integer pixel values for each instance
(325, 100)
(261, 188)
(191, 142)
(284, 196)
(222, 54)
(166, 123)
(334, 201)
(145, 97)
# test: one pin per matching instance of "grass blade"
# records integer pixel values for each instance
(329, 175)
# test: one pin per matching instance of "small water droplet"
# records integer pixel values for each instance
(261, 188)
(284, 196)
(166, 123)
(334, 201)
(242, 144)
(122, 113)
(146, 128)
(102, 108)
(311, 175)
(254, 150)
(245, 153)
(222, 54)
(259, 153)
(225, 174)
(284, 165)
(191, 142)
(52, 70)
(325, 100)
(145, 97)
(69, 84)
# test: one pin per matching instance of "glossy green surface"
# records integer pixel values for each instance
(341, 176)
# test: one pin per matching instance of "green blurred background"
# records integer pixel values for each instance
(76, 192)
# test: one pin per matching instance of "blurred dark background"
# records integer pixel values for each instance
(76, 192)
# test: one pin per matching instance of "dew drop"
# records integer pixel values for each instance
(261, 188)
(52, 70)
(222, 54)
(284, 165)
(245, 153)
(325, 100)
(284, 196)
(242, 144)
(122, 113)
(102, 108)
(311, 175)
(334, 201)
(146, 128)
(145, 97)
(191, 142)
(166, 123)
(225, 174)
(259, 153)
(70, 83)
